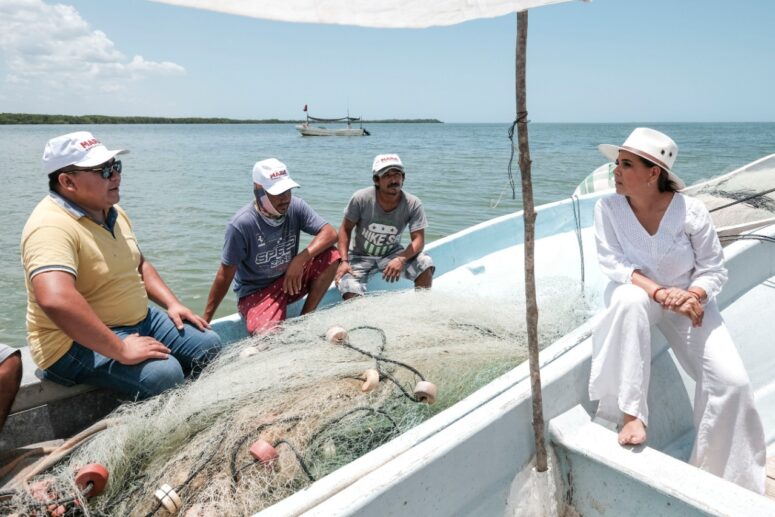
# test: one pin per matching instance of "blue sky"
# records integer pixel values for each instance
(605, 61)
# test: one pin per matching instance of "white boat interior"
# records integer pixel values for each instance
(471, 459)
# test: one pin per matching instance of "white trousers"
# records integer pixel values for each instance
(730, 437)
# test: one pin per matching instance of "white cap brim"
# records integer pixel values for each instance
(100, 156)
(612, 153)
(281, 186)
(387, 168)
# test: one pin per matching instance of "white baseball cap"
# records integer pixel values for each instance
(272, 175)
(385, 162)
(80, 149)
(650, 144)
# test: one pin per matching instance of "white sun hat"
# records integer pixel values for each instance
(272, 175)
(80, 149)
(650, 144)
(385, 162)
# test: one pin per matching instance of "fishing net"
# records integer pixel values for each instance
(741, 199)
(297, 401)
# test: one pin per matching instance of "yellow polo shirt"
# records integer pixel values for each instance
(58, 236)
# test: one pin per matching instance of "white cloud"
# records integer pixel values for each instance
(49, 45)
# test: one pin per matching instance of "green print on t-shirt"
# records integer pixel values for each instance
(379, 238)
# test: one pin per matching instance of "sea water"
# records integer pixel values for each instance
(182, 183)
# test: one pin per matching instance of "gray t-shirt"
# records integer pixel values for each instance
(262, 251)
(378, 233)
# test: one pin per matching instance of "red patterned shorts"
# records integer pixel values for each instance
(263, 309)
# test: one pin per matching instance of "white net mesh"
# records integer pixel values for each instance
(301, 395)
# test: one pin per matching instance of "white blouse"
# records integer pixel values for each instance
(685, 252)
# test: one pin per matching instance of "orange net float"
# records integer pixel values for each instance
(92, 474)
(425, 391)
(264, 452)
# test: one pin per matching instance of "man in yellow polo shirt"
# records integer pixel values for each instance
(88, 284)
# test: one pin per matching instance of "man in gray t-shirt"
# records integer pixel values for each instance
(261, 252)
(379, 215)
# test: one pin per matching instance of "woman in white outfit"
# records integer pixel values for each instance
(666, 266)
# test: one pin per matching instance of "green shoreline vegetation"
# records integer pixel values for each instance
(31, 118)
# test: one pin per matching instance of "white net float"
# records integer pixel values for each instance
(329, 449)
(370, 380)
(425, 392)
(169, 499)
(248, 351)
(336, 335)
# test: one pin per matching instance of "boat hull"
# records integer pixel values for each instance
(320, 131)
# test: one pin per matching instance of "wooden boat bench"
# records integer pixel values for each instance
(44, 410)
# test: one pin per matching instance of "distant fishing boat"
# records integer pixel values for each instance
(306, 130)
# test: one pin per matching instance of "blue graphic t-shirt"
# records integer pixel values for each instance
(378, 233)
(262, 251)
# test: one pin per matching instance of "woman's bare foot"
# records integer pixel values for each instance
(633, 431)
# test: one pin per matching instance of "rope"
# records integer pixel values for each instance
(380, 358)
(311, 443)
(748, 198)
(338, 419)
(238, 447)
(478, 328)
(577, 219)
(298, 457)
(193, 473)
(66, 502)
(382, 335)
(521, 117)
(398, 385)
(202, 465)
(748, 237)
(60, 452)
(494, 204)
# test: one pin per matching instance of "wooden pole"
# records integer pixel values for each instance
(529, 223)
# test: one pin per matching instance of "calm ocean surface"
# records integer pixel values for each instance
(182, 183)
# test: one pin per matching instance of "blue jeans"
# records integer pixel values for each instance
(190, 350)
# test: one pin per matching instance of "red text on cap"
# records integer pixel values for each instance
(86, 144)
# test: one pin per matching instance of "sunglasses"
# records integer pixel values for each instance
(106, 171)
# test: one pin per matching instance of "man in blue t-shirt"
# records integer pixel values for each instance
(261, 252)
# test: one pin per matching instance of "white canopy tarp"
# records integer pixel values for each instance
(409, 14)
